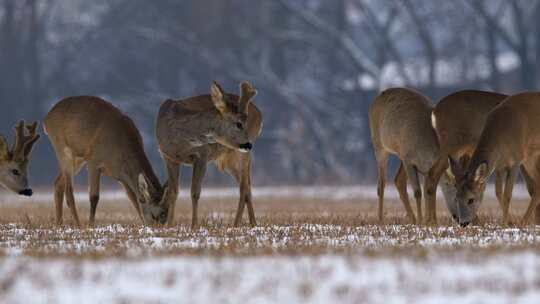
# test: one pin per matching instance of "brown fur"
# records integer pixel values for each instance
(399, 121)
(510, 138)
(86, 129)
(459, 119)
(186, 135)
(14, 162)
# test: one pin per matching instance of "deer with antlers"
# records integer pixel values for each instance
(219, 127)
(14, 163)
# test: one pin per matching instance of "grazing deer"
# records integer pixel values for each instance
(88, 130)
(400, 124)
(219, 127)
(510, 139)
(14, 163)
(458, 120)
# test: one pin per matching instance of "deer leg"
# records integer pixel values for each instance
(239, 211)
(171, 194)
(430, 187)
(133, 199)
(241, 201)
(94, 176)
(70, 198)
(59, 188)
(401, 185)
(533, 206)
(246, 193)
(242, 174)
(381, 168)
(537, 214)
(199, 170)
(511, 175)
(431, 206)
(412, 174)
(531, 175)
(499, 187)
(529, 182)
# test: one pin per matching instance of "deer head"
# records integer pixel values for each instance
(230, 128)
(470, 186)
(14, 163)
(453, 174)
(152, 201)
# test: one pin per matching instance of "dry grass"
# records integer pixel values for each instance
(296, 226)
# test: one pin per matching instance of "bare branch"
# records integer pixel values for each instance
(383, 30)
(358, 56)
(492, 22)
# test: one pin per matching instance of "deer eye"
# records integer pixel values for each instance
(239, 126)
(15, 172)
(470, 202)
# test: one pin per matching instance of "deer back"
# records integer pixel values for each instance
(460, 117)
(175, 123)
(400, 123)
(511, 133)
(95, 130)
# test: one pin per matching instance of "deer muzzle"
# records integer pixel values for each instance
(464, 224)
(245, 147)
(26, 192)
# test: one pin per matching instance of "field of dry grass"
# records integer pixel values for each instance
(315, 242)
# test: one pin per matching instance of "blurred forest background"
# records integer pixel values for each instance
(317, 65)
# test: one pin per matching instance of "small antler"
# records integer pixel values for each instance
(24, 143)
(33, 137)
(19, 139)
(4, 149)
(247, 92)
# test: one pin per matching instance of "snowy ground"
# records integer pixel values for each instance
(311, 245)
(497, 278)
(296, 239)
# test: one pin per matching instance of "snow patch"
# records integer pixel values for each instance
(499, 278)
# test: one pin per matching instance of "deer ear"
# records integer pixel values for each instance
(4, 148)
(143, 188)
(454, 167)
(481, 173)
(450, 175)
(216, 92)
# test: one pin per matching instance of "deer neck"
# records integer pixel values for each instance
(140, 165)
(482, 155)
(201, 128)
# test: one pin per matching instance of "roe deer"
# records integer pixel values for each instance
(218, 127)
(510, 139)
(458, 120)
(14, 163)
(400, 124)
(87, 129)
